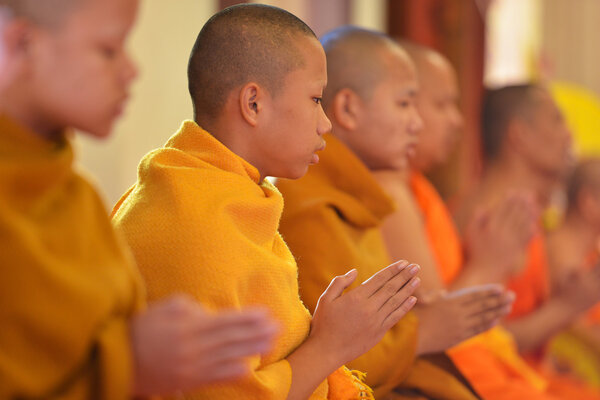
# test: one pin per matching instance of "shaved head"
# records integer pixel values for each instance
(502, 106)
(42, 12)
(424, 58)
(241, 44)
(356, 59)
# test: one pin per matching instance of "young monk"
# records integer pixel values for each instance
(528, 148)
(491, 360)
(334, 214)
(71, 301)
(203, 220)
(573, 250)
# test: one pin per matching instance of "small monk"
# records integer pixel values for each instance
(527, 147)
(572, 251)
(74, 324)
(203, 220)
(334, 214)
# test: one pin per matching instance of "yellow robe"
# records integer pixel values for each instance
(68, 287)
(199, 222)
(332, 223)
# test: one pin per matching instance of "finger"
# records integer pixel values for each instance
(476, 292)
(337, 286)
(489, 303)
(375, 282)
(393, 318)
(400, 297)
(228, 318)
(391, 287)
(202, 373)
(484, 319)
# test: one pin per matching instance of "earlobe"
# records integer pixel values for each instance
(250, 102)
(345, 108)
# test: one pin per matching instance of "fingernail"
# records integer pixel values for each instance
(412, 300)
(414, 269)
(351, 271)
(401, 265)
(415, 282)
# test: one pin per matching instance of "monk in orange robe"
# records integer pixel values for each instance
(491, 360)
(528, 149)
(333, 215)
(203, 220)
(73, 320)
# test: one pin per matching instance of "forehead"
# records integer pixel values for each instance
(398, 69)
(101, 16)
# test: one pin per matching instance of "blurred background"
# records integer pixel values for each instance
(490, 42)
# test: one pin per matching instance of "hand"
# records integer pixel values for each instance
(496, 239)
(349, 324)
(177, 346)
(456, 316)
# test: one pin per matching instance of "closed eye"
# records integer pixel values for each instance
(318, 100)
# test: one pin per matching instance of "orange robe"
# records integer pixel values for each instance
(69, 287)
(332, 222)
(199, 222)
(491, 360)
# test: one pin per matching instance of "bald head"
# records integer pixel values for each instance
(357, 59)
(45, 12)
(502, 106)
(241, 44)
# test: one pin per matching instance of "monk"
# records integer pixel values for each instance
(333, 215)
(491, 360)
(74, 324)
(573, 250)
(527, 147)
(203, 220)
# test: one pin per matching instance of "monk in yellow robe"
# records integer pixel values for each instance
(573, 250)
(333, 215)
(203, 220)
(528, 149)
(71, 301)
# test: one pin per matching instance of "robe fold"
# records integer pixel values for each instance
(68, 286)
(199, 222)
(332, 223)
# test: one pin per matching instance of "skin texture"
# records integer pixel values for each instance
(69, 68)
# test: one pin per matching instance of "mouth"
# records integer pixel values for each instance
(315, 156)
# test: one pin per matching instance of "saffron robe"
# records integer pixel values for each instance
(490, 360)
(332, 223)
(68, 286)
(199, 222)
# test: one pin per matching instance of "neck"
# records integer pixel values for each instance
(14, 104)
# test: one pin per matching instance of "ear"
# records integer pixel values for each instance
(345, 109)
(16, 37)
(251, 102)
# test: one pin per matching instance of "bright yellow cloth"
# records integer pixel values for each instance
(199, 223)
(68, 287)
(332, 223)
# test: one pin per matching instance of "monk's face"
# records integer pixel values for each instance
(78, 73)
(388, 122)
(437, 103)
(296, 121)
(548, 142)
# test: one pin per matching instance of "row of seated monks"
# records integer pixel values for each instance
(209, 281)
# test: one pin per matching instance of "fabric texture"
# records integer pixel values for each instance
(199, 222)
(68, 286)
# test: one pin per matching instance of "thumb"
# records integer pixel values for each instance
(338, 285)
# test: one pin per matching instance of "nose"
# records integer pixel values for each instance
(456, 118)
(130, 70)
(416, 122)
(324, 126)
